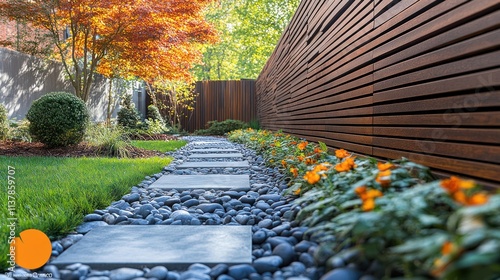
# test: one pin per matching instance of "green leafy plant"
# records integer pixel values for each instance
(4, 123)
(58, 119)
(19, 131)
(128, 116)
(111, 141)
(221, 128)
(393, 213)
(154, 114)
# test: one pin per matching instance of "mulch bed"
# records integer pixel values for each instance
(10, 148)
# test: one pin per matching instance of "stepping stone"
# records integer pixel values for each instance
(214, 164)
(209, 142)
(217, 182)
(198, 151)
(236, 155)
(176, 247)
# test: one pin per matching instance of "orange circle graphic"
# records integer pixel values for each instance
(32, 248)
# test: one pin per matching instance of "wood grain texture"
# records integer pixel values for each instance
(221, 100)
(387, 79)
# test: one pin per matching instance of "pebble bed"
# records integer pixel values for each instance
(281, 249)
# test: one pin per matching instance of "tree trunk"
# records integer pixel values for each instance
(110, 101)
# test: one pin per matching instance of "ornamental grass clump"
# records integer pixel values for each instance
(395, 214)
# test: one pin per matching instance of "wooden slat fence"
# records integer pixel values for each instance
(222, 100)
(390, 79)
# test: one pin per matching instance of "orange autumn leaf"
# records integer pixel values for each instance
(150, 39)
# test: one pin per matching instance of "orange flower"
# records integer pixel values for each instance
(384, 166)
(373, 193)
(318, 150)
(447, 248)
(368, 197)
(302, 145)
(456, 186)
(322, 167)
(460, 197)
(293, 142)
(294, 171)
(453, 184)
(300, 158)
(312, 177)
(297, 191)
(341, 153)
(368, 205)
(283, 162)
(310, 161)
(384, 178)
(360, 190)
(345, 165)
(478, 199)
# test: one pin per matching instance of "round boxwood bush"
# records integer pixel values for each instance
(58, 119)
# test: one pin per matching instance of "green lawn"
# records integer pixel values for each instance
(53, 194)
(161, 146)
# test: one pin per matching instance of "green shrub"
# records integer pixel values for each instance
(254, 124)
(154, 114)
(156, 127)
(110, 141)
(20, 131)
(128, 116)
(221, 128)
(4, 123)
(58, 119)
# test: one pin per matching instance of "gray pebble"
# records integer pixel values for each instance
(125, 273)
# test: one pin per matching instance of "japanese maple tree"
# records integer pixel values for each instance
(154, 40)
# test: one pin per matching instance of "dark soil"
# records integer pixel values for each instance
(10, 148)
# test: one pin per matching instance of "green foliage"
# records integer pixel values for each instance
(4, 123)
(156, 127)
(221, 128)
(254, 124)
(178, 101)
(54, 194)
(20, 131)
(393, 213)
(160, 146)
(110, 141)
(58, 119)
(128, 116)
(154, 114)
(249, 32)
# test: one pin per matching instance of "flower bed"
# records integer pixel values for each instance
(393, 216)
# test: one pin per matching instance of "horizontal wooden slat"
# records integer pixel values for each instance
(391, 78)
(469, 168)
